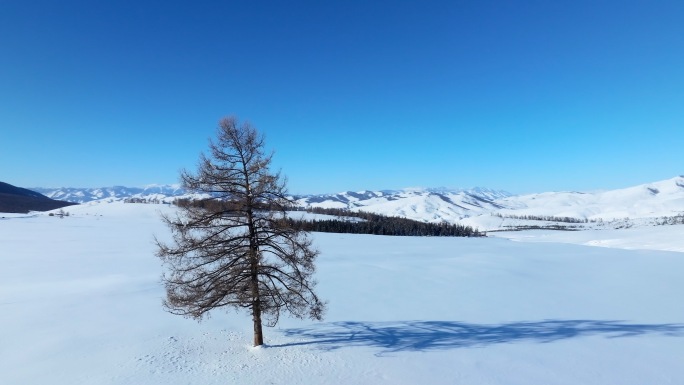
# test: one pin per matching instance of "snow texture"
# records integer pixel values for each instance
(80, 301)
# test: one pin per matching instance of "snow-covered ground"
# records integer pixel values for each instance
(666, 238)
(80, 304)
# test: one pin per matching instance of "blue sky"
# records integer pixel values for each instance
(526, 96)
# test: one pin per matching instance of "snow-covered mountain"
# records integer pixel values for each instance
(463, 201)
(663, 198)
(162, 193)
(483, 208)
(643, 205)
(651, 200)
(430, 205)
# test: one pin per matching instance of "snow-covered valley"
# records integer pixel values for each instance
(81, 304)
(485, 209)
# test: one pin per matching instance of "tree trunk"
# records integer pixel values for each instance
(256, 316)
(256, 299)
(254, 262)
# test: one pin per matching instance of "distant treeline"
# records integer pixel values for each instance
(362, 222)
(673, 220)
(546, 218)
(143, 200)
(660, 221)
(379, 225)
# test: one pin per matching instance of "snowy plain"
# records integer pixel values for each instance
(80, 301)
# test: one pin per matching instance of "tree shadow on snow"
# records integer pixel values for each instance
(443, 335)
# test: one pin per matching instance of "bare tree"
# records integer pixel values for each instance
(235, 249)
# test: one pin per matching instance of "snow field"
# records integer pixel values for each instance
(80, 303)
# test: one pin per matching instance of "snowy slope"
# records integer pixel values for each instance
(80, 304)
(668, 238)
(431, 205)
(488, 209)
(663, 198)
(435, 205)
(479, 207)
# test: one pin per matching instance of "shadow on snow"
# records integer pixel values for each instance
(442, 335)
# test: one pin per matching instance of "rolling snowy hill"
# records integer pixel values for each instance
(656, 199)
(430, 205)
(479, 207)
(491, 210)
(488, 209)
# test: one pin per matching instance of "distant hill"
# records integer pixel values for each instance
(422, 204)
(20, 200)
(482, 208)
(161, 193)
(661, 198)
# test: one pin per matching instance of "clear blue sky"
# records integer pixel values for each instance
(526, 96)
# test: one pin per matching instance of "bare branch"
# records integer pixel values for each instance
(234, 249)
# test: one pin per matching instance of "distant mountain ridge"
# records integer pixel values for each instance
(164, 193)
(172, 191)
(494, 209)
(478, 207)
(425, 204)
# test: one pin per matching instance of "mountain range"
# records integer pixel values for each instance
(429, 205)
(480, 207)
(166, 193)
